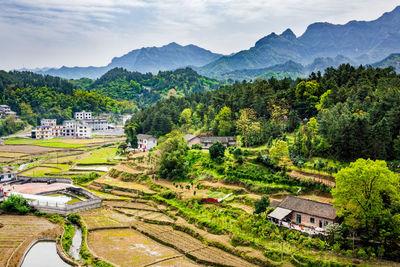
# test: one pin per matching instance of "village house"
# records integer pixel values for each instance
(7, 174)
(6, 111)
(146, 142)
(207, 141)
(192, 139)
(42, 132)
(303, 212)
(97, 124)
(83, 115)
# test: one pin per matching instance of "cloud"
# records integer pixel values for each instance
(91, 32)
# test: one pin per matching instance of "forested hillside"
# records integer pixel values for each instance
(347, 113)
(145, 89)
(35, 96)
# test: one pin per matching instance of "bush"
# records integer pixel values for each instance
(262, 204)
(217, 150)
(197, 147)
(85, 178)
(16, 204)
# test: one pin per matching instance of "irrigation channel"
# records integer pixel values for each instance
(76, 244)
(43, 254)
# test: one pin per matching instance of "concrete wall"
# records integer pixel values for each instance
(44, 179)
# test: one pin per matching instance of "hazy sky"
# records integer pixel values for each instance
(40, 33)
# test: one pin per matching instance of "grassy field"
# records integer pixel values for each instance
(55, 142)
(45, 170)
(99, 156)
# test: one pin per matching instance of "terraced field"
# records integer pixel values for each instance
(131, 248)
(17, 232)
(101, 218)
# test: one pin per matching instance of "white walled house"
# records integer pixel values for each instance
(83, 115)
(97, 124)
(146, 142)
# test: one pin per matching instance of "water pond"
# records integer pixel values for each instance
(43, 254)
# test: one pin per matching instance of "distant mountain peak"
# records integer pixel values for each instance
(288, 34)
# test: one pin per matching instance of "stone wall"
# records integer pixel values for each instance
(44, 179)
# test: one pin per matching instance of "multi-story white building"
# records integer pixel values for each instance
(48, 122)
(97, 124)
(83, 115)
(42, 132)
(74, 129)
(83, 131)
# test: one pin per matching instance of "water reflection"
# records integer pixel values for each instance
(43, 254)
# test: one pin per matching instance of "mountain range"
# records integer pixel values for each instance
(146, 59)
(322, 44)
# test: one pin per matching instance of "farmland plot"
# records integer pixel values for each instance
(131, 248)
(18, 232)
(100, 218)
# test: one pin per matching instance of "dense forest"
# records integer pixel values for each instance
(145, 89)
(346, 113)
(35, 96)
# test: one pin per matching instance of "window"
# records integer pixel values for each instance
(298, 218)
(312, 220)
(325, 223)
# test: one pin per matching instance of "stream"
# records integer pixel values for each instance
(43, 254)
(76, 244)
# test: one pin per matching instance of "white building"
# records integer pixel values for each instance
(83, 131)
(7, 176)
(83, 115)
(48, 122)
(97, 124)
(146, 142)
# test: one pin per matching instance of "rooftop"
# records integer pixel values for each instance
(308, 207)
(222, 139)
(145, 136)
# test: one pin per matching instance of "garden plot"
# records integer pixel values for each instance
(131, 248)
(102, 218)
(18, 231)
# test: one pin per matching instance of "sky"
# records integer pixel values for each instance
(55, 33)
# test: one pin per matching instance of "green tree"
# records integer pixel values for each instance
(186, 117)
(365, 195)
(224, 121)
(262, 204)
(172, 161)
(16, 204)
(248, 125)
(217, 150)
(131, 136)
(27, 114)
(279, 153)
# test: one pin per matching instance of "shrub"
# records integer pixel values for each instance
(197, 147)
(85, 178)
(217, 150)
(16, 204)
(262, 204)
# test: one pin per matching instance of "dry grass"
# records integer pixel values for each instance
(129, 248)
